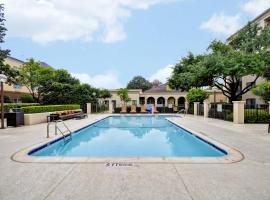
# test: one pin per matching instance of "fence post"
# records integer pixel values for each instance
(196, 106)
(110, 107)
(88, 108)
(269, 107)
(186, 106)
(205, 109)
(238, 112)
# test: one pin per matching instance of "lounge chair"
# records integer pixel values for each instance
(123, 109)
(143, 109)
(133, 109)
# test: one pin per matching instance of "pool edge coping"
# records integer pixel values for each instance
(232, 156)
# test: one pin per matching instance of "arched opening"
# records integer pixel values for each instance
(171, 102)
(181, 102)
(151, 100)
(160, 102)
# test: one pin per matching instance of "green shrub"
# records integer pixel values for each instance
(8, 106)
(196, 95)
(49, 108)
(226, 115)
(117, 110)
(26, 98)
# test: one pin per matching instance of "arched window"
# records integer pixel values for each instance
(151, 100)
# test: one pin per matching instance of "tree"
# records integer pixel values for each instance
(32, 74)
(156, 83)
(27, 98)
(138, 82)
(253, 39)
(263, 91)
(104, 93)
(5, 68)
(123, 94)
(224, 65)
(184, 76)
(62, 88)
(196, 95)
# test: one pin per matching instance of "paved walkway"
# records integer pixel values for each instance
(248, 179)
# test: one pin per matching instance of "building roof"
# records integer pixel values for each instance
(12, 58)
(44, 64)
(157, 89)
(252, 21)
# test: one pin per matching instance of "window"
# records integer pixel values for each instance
(134, 102)
(267, 21)
(251, 103)
(142, 100)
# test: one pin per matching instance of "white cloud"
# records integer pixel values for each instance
(109, 80)
(256, 7)
(162, 74)
(221, 23)
(47, 21)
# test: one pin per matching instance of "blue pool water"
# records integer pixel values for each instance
(129, 136)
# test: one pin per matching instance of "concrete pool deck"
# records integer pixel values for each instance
(248, 179)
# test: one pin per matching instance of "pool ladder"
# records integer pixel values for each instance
(57, 128)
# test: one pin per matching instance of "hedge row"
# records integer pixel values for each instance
(49, 108)
(8, 106)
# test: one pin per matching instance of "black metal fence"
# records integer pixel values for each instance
(200, 109)
(222, 111)
(99, 107)
(190, 109)
(258, 113)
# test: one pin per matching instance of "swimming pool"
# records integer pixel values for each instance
(131, 136)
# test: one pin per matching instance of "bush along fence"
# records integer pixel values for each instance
(257, 113)
(10, 106)
(49, 108)
(222, 111)
(236, 112)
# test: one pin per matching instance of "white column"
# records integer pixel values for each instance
(238, 112)
(110, 107)
(205, 109)
(88, 108)
(186, 105)
(176, 101)
(166, 102)
(196, 106)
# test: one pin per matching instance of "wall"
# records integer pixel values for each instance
(37, 118)
(250, 95)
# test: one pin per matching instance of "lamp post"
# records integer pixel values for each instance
(3, 79)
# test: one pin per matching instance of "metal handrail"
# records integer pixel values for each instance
(56, 127)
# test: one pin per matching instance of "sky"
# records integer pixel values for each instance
(107, 42)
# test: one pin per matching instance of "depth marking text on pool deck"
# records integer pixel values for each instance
(118, 164)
